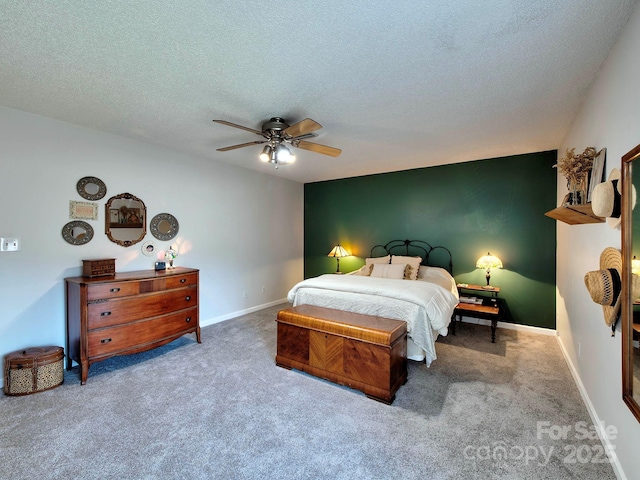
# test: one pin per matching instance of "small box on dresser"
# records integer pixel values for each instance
(98, 268)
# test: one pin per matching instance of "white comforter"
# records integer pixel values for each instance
(425, 304)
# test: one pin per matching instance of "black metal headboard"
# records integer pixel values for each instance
(431, 256)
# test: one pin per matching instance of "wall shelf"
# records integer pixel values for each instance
(575, 214)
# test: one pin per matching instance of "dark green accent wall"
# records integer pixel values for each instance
(495, 205)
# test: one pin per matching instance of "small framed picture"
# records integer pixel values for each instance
(114, 215)
(83, 210)
(149, 249)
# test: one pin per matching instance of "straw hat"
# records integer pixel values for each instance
(606, 199)
(605, 285)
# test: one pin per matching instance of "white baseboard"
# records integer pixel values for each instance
(239, 313)
(597, 423)
(512, 326)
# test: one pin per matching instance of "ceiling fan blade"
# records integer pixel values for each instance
(316, 147)
(241, 145)
(224, 122)
(302, 127)
(300, 137)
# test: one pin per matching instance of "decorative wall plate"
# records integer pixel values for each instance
(77, 232)
(91, 188)
(149, 249)
(164, 226)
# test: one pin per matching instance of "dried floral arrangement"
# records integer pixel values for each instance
(576, 167)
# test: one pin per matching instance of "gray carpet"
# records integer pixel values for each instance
(223, 410)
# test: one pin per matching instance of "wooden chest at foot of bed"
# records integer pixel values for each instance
(360, 351)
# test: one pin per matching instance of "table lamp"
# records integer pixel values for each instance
(488, 261)
(338, 252)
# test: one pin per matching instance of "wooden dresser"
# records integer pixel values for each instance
(128, 313)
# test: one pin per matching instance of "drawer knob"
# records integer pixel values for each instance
(105, 340)
(187, 298)
(183, 280)
(105, 314)
(114, 290)
(188, 319)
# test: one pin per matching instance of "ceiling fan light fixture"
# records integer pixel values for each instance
(275, 132)
(265, 156)
(284, 155)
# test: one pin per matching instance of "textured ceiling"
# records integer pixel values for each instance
(396, 85)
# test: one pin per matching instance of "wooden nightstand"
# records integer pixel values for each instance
(488, 309)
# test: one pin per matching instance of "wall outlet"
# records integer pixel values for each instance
(9, 244)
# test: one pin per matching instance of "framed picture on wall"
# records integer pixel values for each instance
(83, 210)
(597, 172)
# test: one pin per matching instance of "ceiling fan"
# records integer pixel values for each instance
(276, 133)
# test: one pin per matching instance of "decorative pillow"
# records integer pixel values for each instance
(370, 262)
(413, 264)
(362, 271)
(388, 271)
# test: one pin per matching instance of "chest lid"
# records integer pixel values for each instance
(34, 357)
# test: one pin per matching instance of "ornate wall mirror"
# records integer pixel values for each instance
(91, 188)
(125, 219)
(77, 232)
(164, 226)
(630, 304)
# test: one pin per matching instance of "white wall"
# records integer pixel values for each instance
(242, 229)
(610, 117)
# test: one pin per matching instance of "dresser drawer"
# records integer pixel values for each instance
(112, 290)
(123, 310)
(182, 280)
(107, 341)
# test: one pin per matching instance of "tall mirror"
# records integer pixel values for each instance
(630, 266)
(125, 219)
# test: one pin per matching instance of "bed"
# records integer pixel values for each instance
(411, 282)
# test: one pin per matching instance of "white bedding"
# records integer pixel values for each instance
(425, 304)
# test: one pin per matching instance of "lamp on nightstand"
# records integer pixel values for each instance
(338, 252)
(488, 262)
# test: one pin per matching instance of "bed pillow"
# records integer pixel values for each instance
(389, 271)
(432, 272)
(413, 265)
(370, 262)
(362, 271)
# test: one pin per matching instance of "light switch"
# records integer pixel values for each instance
(9, 244)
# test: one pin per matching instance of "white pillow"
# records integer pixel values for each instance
(413, 262)
(388, 271)
(370, 262)
(432, 272)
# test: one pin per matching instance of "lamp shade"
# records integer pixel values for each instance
(489, 261)
(284, 155)
(338, 251)
(265, 156)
